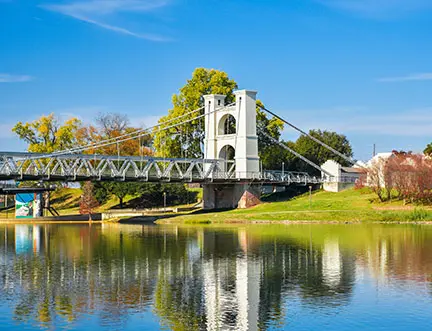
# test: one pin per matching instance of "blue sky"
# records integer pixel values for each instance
(359, 67)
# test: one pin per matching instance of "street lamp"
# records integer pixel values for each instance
(310, 196)
(164, 201)
(283, 168)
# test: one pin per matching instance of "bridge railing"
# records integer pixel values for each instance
(7, 184)
(340, 179)
(291, 177)
(29, 166)
(81, 167)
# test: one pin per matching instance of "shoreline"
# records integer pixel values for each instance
(287, 222)
(203, 223)
(18, 221)
(346, 207)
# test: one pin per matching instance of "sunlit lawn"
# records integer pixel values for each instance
(350, 205)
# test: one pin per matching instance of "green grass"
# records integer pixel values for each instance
(66, 202)
(346, 206)
(199, 192)
(420, 214)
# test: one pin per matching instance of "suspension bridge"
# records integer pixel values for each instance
(229, 169)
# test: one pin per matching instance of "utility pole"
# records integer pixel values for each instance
(374, 150)
(283, 169)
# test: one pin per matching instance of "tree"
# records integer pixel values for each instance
(376, 175)
(88, 202)
(403, 175)
(152, 195)
(271, 155)
(146, 195)
(109, 126)
(48, 134)
(121, 190)
(428, 150)
(187, 140)
(319, 154)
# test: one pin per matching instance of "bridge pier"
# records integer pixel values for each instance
(227, 196)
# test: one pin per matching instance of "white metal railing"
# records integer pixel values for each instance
(79, 167)
(340, 179)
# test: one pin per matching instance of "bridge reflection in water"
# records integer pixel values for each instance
(192, 278)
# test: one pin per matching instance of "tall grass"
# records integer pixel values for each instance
(420, 214)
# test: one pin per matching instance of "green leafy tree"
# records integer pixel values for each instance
(48, 134)
(187, 140)
(271, 155)
(428, 150)
(274, 157)
(319, 154)
(120, 190)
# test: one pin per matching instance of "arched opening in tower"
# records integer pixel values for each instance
(227, 125)
(227, 154)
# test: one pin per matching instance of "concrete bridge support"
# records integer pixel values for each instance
(226, 196)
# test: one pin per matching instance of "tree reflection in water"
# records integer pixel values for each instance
(191, 278)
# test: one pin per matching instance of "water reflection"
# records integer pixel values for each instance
(192, 278)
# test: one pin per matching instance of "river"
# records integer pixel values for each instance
(257, 277)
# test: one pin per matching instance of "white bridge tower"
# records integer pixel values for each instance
(230, 133)
(231, 137)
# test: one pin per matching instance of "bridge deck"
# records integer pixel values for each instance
(82, 167)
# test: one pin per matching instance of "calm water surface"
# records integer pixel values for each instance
(288, 277)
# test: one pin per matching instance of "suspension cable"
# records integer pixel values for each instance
(93, 145)
(168, 127)
(346, 158)
(109, 143)
(296, 154)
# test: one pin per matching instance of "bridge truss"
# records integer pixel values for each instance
(82, 167)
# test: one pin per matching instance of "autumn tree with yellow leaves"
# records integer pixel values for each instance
(48, 133)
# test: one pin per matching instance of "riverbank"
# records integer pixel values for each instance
(326, 207)
(65, 201)
(350, 206)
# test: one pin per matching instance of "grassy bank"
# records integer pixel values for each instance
(347, 206)
(66, 202)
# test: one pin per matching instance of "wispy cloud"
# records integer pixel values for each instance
(378, 8)
(97, 11)
(413, 77)
(8, 78)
